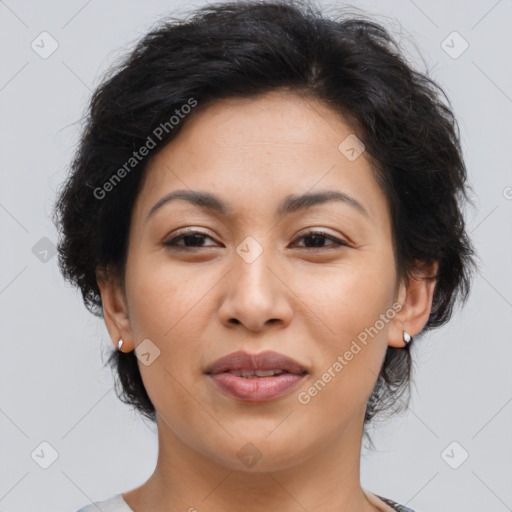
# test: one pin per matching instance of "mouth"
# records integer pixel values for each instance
(256, 377)
(257, 374)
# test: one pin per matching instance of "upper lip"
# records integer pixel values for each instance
(263, 361)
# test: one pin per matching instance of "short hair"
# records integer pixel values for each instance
(243, 50)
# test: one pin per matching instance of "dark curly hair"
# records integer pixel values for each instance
(245, 49)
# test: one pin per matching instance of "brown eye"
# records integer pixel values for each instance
(317, 238)
(191, 239)
(195, 239)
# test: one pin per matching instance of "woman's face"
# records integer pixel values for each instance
(257, 278)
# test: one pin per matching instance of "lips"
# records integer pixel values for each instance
(255, 377)
(254, 364)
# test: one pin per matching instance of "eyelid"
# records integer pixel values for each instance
(187, 231)
(336, 241)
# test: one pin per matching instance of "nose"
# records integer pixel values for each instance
(256, 295)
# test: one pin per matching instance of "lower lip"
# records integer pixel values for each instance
(259, 389)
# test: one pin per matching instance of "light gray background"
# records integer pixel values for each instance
(53, 385)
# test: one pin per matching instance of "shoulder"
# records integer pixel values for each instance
(114, 504)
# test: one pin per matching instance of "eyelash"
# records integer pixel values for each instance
(171, 243)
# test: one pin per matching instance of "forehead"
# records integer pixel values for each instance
(254, 151)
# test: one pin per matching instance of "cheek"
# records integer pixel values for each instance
(164, 299)
(165, 307)
(356, 310)
(352, 298)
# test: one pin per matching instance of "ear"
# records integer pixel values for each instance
(415, 296)
(115, 310)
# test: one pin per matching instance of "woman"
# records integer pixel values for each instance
(265, 208)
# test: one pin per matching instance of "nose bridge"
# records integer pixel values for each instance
(252, 272)
(255, 294)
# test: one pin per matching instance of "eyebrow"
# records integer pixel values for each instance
(291, 203)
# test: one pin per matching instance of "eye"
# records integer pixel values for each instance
(191, 240)
(316, 239)
(194, 239)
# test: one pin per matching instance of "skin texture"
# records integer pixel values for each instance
(305, 302)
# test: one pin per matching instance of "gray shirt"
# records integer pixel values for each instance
(117, 504)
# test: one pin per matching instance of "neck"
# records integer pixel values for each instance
(187, 479)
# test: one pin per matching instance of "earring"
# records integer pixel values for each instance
(120, 344)
(407, 337)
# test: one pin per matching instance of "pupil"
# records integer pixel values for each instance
(317, 238)
(196, 237)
